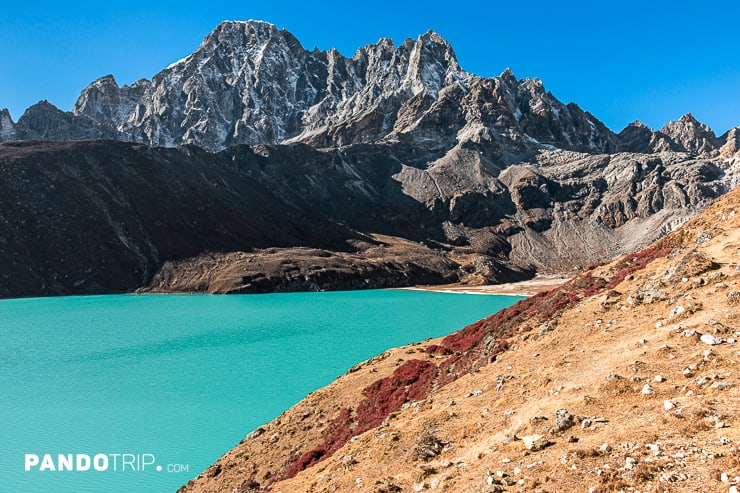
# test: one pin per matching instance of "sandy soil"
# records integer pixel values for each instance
(522, 288)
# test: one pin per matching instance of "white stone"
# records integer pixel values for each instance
(647, 389)
(677, 311)
(668, 405)
(710, 339)
(653, 448)
(535, 442)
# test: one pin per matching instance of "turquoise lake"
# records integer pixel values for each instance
(179, 380)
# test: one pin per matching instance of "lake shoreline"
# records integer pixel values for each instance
(529, 287)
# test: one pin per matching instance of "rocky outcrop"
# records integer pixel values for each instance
(373, 262)
(731, 146)
(638, 137)
(250, 83)
(7, 128)
(689, 135)
(495, 174)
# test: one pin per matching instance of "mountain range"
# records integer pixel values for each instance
(250, 83)
(255, 165)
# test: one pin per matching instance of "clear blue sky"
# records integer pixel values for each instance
(625, 60)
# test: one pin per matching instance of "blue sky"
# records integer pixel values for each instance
(626, 60)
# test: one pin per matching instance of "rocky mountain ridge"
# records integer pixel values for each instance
(250, 83)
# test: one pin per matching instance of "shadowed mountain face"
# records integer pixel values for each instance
(101, 217)
(104, 216)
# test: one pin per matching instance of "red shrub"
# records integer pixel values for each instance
(338, 432)
(453, 368)
(304, 462)
(437, 350)
(632, 263)
(412, 380)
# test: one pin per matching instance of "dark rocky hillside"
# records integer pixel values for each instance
(104, 216)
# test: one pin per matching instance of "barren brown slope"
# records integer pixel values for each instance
(641, 353)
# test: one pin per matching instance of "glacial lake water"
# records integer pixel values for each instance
(176, 381)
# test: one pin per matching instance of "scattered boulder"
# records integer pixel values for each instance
(647, 389)
(647, 294)
(563, 419)
(428, 447)
(702, 237)
(677, 311)
(535, 442)
(733, 298)
(546, 328)
(694, 264)
(610, 298)
(710, 339)
(720, 385)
